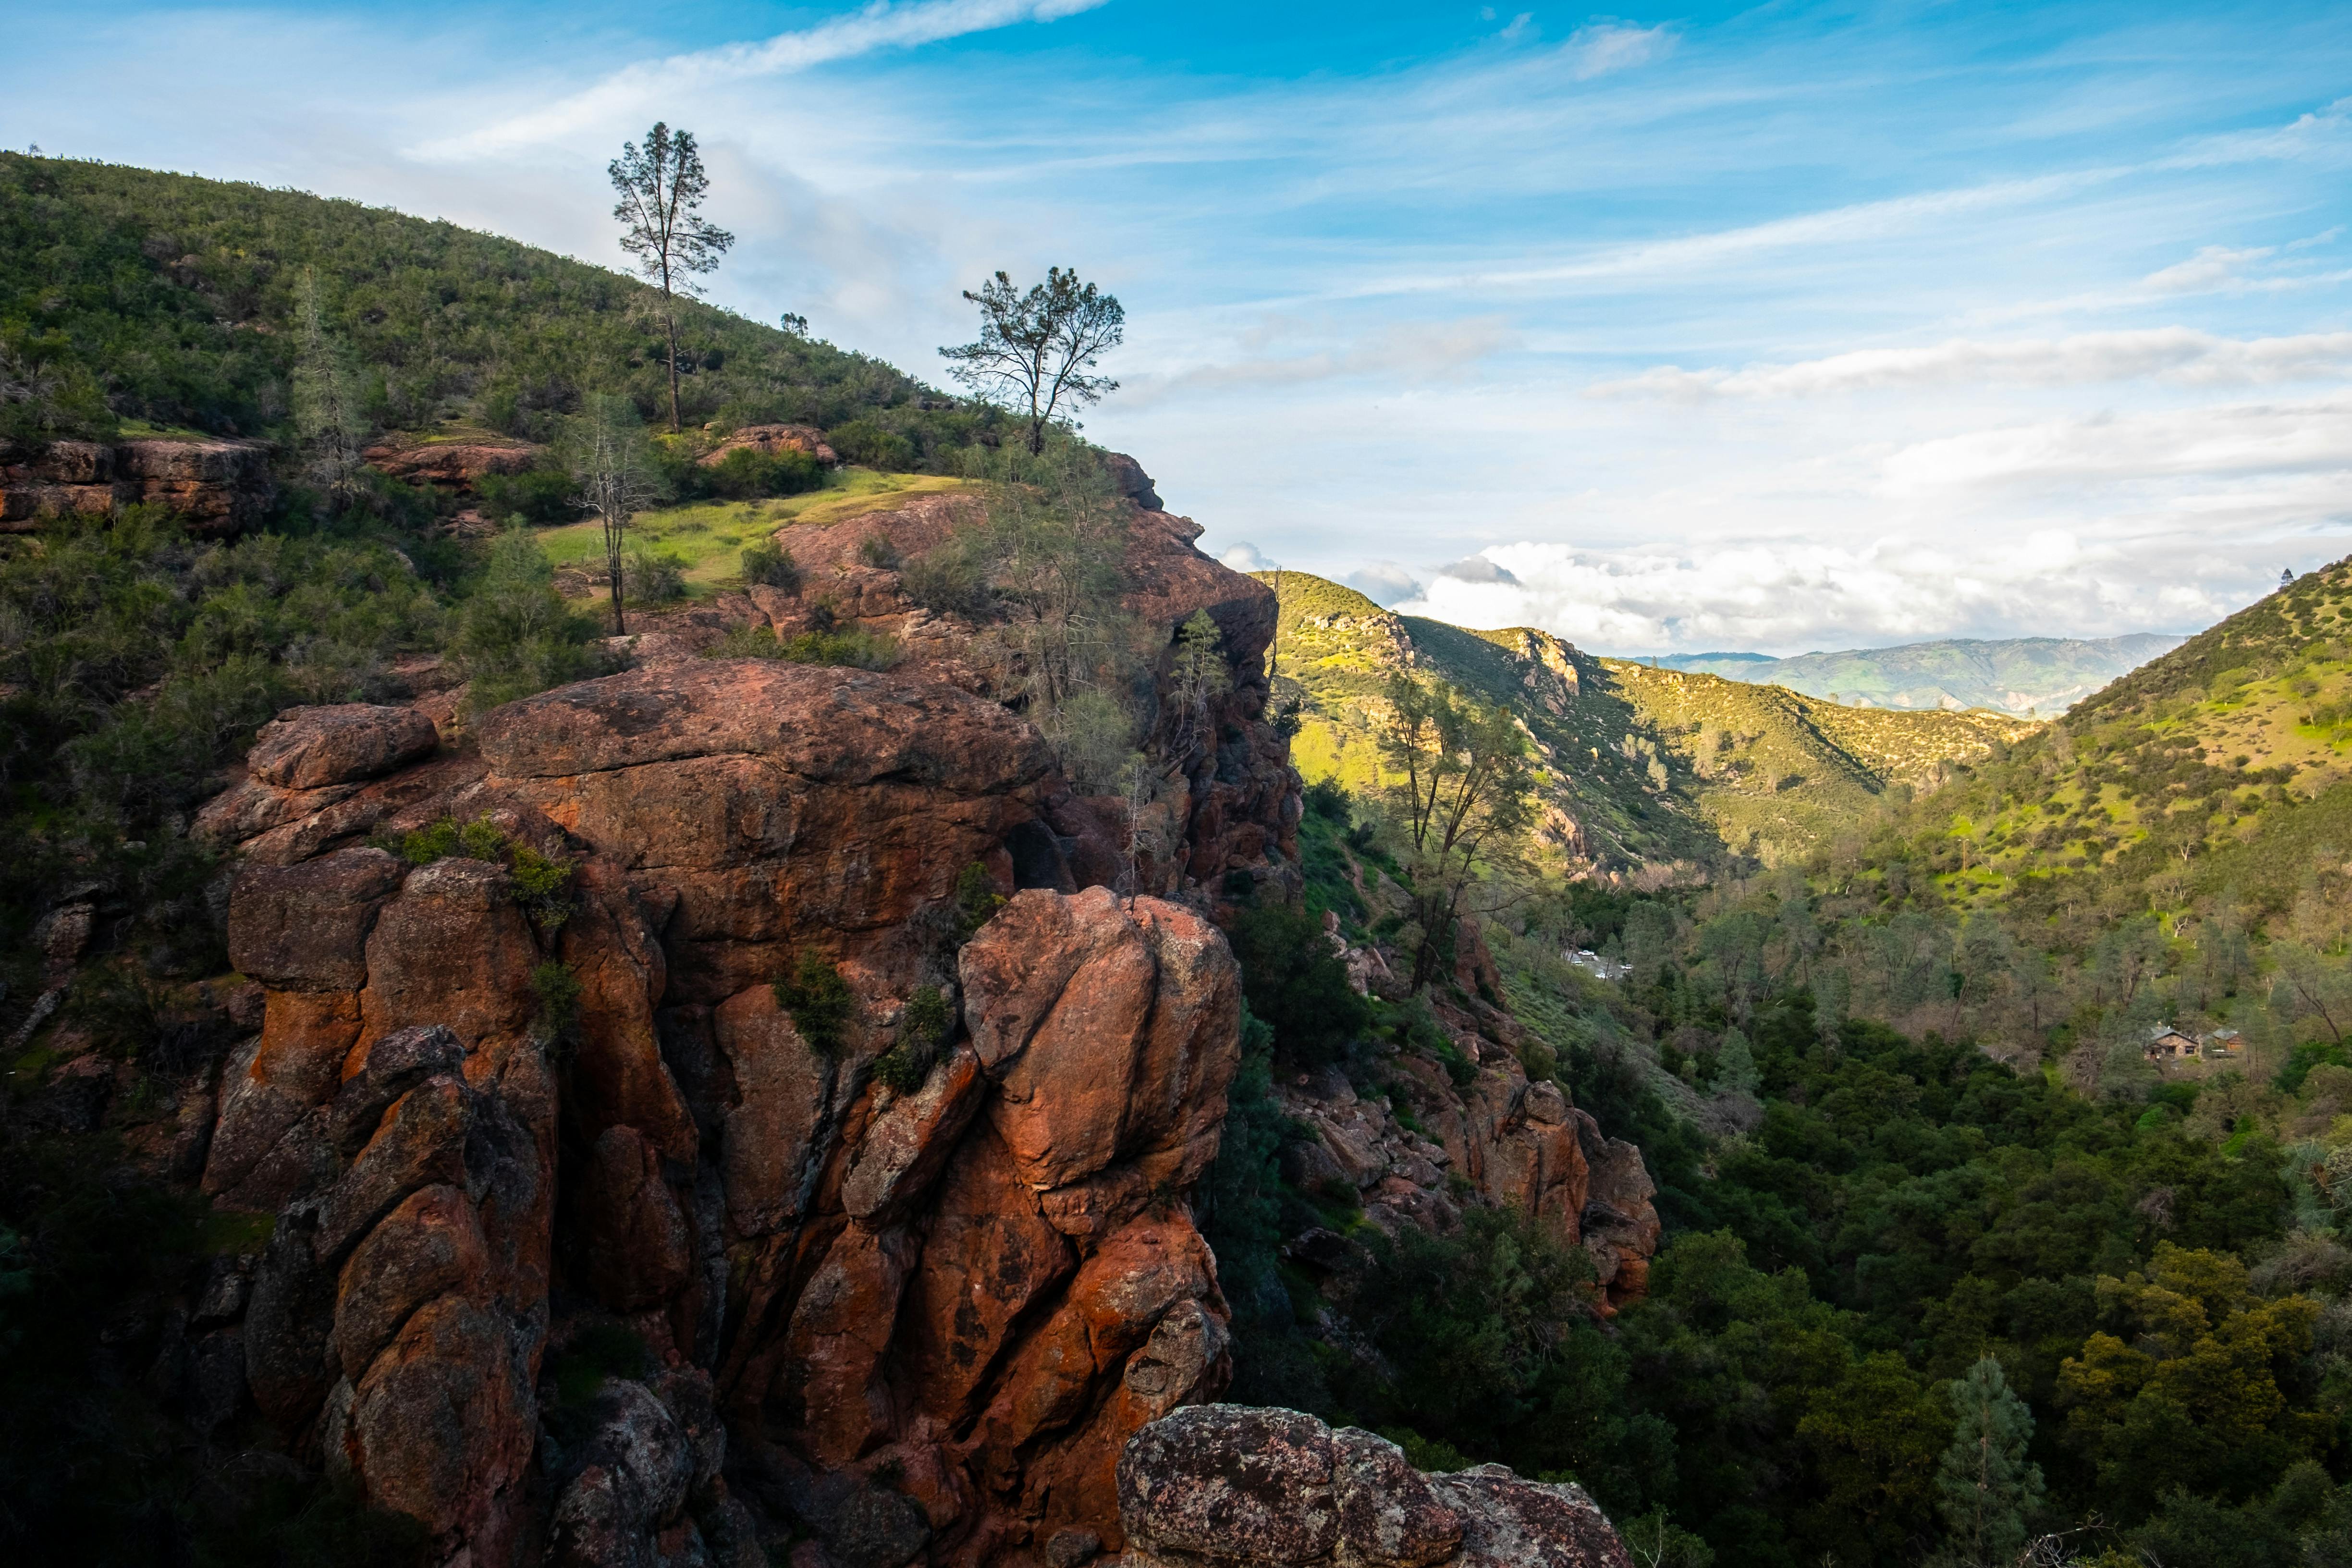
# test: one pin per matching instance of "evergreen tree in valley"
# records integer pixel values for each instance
(1988, 1486)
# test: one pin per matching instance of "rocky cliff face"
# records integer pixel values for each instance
(675, 1150)
(219, 487)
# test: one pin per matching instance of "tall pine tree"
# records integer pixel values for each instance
(1988, 1487)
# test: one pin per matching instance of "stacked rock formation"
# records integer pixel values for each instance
(898, 1264)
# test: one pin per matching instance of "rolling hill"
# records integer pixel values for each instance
(2031, 677)
(2224, 764)
(1643, 769)
(167, 301)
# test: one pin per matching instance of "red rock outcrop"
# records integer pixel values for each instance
(1222, 1485)
(767, 438)
(981, 1285)
(456, 466)
(510, 1107)
(219, 487)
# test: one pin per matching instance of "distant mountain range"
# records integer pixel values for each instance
(2033, 677)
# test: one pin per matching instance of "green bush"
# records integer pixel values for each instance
(749, 474)
(650, 579)
(768, 564)
(926, 1025)
(516, 636)
(948, 580)
(1297, 984)
(539, 495)
(819, 1001)
(865, 442)
(876, 550)
(558, 990)
(540, 883)
(976, 899)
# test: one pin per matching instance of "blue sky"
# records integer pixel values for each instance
(1779, 327)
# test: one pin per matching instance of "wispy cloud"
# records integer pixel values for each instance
(2210, 442)
(2211, 267)
(2176, 355)
(1608, 46)
(1407, 353)
(878, 26)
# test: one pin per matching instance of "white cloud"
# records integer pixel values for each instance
(1383, 581)
(2179, 356)
(2215, 443)
(1608, 46)
(1244, 557)
(1474, 569)
(2210, 267)
(639, 90)
(1785, 596)
(1405, 354)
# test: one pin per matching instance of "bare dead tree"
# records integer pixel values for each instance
(615, 473)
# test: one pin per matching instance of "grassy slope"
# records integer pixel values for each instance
(710, 537)
(2227, 764)
(2013, 675)
(1749, 766)
(176, 295)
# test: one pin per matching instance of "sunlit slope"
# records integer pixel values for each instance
(1642, 767)
(2223, 765)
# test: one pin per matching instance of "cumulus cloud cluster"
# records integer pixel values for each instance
(1785, 596)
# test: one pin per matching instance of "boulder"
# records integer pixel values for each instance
(342, 742)
(1110, 1031)
(305, 927)
(1247, 1487)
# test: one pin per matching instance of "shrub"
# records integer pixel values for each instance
(819, 1002)
(924, 1027)
(1091, 733)
(1328, 798)
(976, 899)
(516, 636)
(771, 565)
(541, 495)
(539, 883)
(558, 990)
(1295, 981)
(947, 580)
(865, 442)
(749, 474)
(541, 886)
(650, 579)
(875, 549)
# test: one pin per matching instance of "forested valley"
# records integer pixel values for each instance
(2014, 1113)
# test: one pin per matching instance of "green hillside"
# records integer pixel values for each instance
(2224, 765)
(1651, 766)
(132, 295)
(2035, 676)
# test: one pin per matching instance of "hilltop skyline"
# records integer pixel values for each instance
(1775, 330)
